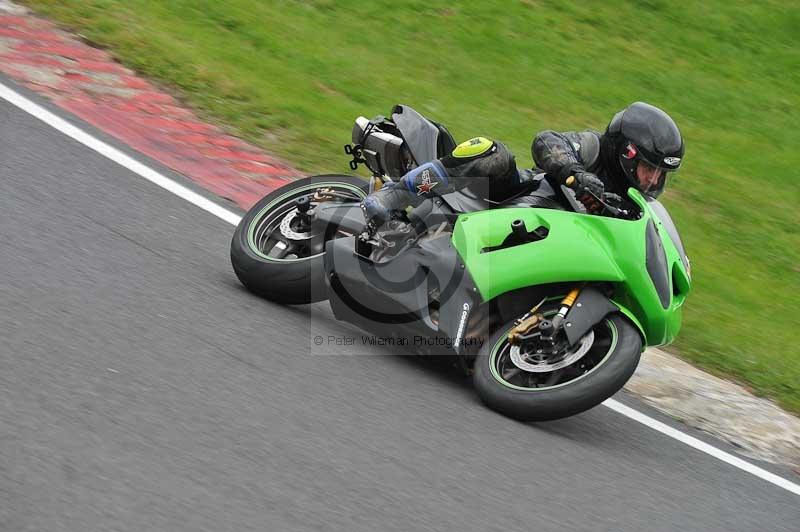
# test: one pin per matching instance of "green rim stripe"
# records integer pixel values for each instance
(251, 229)
(496, 375)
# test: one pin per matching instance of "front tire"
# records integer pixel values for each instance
(261, 243)
(525, 396)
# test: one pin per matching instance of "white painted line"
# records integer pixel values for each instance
(702, 446)
(115, 155)
(136, 167)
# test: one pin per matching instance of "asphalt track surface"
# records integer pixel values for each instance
(141, 388)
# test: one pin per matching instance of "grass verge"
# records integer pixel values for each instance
(292, 75)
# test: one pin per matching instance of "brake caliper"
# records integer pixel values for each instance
(524, 325)
(546, 328)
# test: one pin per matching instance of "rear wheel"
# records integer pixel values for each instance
(524, 384)
(276, 253)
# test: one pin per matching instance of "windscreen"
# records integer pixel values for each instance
(672, 230)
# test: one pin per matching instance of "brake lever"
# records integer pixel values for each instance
(616, 211)
(572, 198)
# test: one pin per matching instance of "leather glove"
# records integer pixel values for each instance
(587, 181)
(588, 187)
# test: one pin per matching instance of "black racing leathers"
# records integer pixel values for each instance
(493, 173)
(561, 155)
(490, 173)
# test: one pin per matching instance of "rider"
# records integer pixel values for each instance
(639, 148)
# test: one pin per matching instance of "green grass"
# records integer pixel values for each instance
(292, 75)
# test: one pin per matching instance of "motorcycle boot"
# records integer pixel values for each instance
(417, 185)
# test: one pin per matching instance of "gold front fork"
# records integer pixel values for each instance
(566, 304)
(532, 319)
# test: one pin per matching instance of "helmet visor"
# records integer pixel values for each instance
(650, 176)
(651, 179)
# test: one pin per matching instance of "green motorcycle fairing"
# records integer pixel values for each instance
(638, 257)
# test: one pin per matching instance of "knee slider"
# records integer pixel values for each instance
(480, 157)
(473, 148)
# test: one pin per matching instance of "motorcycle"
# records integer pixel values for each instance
(547, 306)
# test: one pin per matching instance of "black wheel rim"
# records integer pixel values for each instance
(505, 371)
(279, 233)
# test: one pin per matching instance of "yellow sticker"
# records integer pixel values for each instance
(473, 147)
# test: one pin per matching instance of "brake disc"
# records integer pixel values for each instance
(538, 363)
(288, 232)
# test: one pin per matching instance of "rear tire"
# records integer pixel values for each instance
(297, 279)
(614, 366)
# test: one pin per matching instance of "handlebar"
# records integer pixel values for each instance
(571, 194)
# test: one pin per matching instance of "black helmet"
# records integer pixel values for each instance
(642, 133)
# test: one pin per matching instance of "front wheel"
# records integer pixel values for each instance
(531, 387)
(276, 254)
